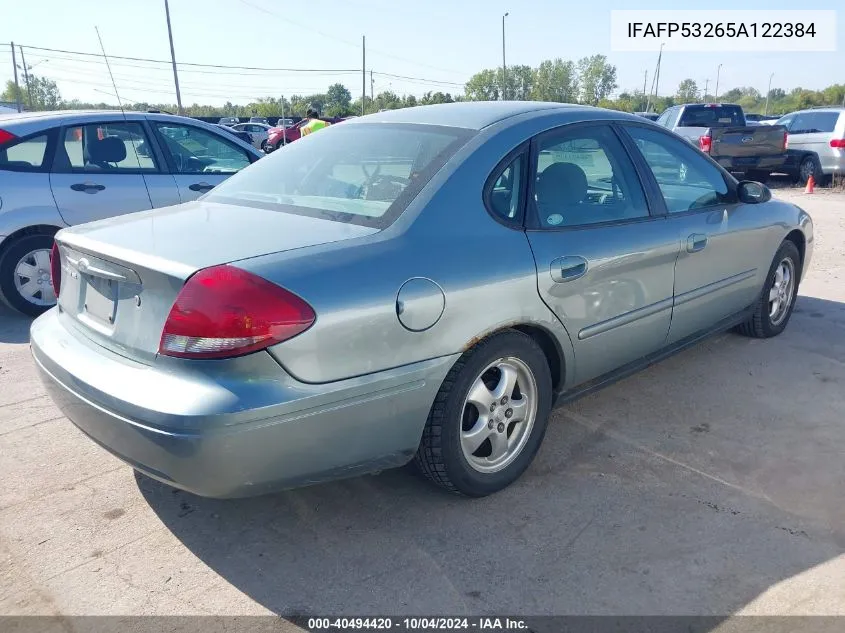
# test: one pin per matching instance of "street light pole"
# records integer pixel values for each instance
(504, 65)
(768, 92)
(706, 85)
(716, 94)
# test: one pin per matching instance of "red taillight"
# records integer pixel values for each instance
(225, 311)
(838, 143)
(705, 143)
(56, 268)
(6, 136)
(785, 140)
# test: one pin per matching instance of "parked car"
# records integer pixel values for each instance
(258, 132)
(259, 119)
(816, 143)
(651, 116)
(720, 130)
(228, 121)
(345, 289)
(64, 168)
(244, 136)
(278, 136)
(759, 118)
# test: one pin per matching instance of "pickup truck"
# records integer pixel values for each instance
(720, 130)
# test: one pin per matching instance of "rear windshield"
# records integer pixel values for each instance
(712, 116)
(358, 173)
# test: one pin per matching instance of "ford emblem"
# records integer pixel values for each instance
(747, 139)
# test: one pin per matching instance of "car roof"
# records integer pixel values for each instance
(473, 115)
(26, 123)
(40, 120)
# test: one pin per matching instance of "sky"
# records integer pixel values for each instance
(433, 45)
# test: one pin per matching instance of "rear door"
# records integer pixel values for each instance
(198, 158)
(717, 272)
(98, 170)
(605, 266)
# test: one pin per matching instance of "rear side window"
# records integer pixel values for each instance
(505, 192)
(24, 155)
(814, 122)
(712, 116)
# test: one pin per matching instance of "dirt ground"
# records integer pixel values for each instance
(711, 483)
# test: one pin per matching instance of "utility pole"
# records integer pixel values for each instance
(645, 80)
(372, 89)
(26, 78)
(17, 87)
(706, 85)
(504, 65)
(768, 92)
(656, 80)
(173, 59)
(363, 75)
(716, 94)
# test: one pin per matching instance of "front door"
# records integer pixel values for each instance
(198, 158)
(717, 272)
(605, 266)
(98, 171)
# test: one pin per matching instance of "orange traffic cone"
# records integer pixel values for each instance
(811, 184)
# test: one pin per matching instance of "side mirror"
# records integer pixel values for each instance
(752, 192)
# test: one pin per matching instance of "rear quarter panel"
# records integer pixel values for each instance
(485, 270)
(26, 200)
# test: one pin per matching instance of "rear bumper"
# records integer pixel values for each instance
(236, 434)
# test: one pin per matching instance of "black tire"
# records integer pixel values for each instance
(760, 325)
(440, 456)
(11, 256)
(810, 165)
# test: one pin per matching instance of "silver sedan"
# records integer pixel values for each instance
(65, 168)
(258, 132)
(417, 285)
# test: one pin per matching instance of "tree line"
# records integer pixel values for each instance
(589, 80)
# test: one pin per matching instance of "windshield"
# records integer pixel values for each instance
(359, 173)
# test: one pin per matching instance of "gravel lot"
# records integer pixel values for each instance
(711, 483)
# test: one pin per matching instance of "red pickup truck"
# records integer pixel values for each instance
(278, 136)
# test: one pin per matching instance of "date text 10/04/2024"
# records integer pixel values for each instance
(415, 624)
(721, 29)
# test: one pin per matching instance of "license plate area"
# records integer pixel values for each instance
(99, 301)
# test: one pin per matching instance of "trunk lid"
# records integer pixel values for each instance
(121, 276)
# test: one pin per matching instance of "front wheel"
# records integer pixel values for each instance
(489, 417)
(25, 280)
(774, 307)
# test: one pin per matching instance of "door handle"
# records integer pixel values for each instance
(568, 268)
(696, 242)
(201, 186)
(87, 187)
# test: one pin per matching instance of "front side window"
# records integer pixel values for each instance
(194, 150)
(357, 173)
(686, 179)
(24, 155)
(584, 176)
(109, 147)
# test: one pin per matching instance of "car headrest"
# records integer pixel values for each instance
(561, 184)
(107, 150)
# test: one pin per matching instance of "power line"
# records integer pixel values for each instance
(345, 41)
(159, 61)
